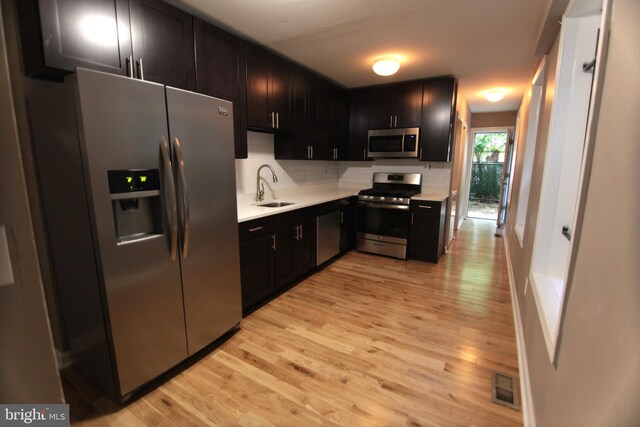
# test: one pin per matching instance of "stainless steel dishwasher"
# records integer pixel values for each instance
(329, 230)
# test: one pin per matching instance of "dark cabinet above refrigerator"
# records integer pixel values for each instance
(145, 39)
(58, 36)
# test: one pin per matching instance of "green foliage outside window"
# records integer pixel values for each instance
(486, 170)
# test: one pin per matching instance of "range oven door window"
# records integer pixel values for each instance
(391, 222)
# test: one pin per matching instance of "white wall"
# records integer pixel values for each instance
(28, 371)
(596, 380)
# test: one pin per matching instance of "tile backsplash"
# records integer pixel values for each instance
(435, 176)
(291, 173)
(294, 174)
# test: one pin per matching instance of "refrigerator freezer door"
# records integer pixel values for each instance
(122, 122)
(211, 265)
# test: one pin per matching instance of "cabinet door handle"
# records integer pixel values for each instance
(140, 69)
(390, 121)
(420, 156)
(297, 233)
(312, 152)
(337, 153)
(255, 229)
(364, 154)
(273, 237)
(273, 120)
(395, 122)
(300, 232)
(425, 207)
(341, 217)
(129, 62)
(277, 120)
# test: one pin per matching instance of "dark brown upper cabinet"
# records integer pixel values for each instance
(146, 39)
(339, 131)
(358, 124)
(221, 73)
(268, 91)
(438, 114)
(162, 37)
(320, 117)
(58, 36)
(395, 105)
(295, 144)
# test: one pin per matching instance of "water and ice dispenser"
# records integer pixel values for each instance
(135, 199)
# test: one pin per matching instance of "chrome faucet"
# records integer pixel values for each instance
(260, 186)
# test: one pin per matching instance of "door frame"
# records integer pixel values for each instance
(470, 144)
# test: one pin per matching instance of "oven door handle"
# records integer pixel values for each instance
(383, 206)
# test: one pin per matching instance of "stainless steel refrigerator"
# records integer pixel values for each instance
(138, 192)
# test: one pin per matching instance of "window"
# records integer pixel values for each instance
(529, 151)
(564, 166)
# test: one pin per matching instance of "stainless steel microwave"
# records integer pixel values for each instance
(393, 143)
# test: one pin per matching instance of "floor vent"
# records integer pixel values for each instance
(504, 390)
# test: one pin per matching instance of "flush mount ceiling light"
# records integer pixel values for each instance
(386, 66)
(495, 95)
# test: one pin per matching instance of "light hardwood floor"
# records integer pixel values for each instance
(368, 341)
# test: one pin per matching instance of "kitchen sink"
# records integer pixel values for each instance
(275, 204)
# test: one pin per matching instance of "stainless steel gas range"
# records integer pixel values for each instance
(384, 218)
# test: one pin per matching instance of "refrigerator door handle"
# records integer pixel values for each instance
(173, 208)
(182, 179)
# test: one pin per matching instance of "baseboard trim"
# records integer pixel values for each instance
(528, 415)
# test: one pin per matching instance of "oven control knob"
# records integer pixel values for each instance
(381, 198)
(395, 199)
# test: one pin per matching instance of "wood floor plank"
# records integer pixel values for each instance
(367, 341)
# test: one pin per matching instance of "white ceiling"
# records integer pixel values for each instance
(484, 43)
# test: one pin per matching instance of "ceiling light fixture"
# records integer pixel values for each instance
(386, 66)
(495, 95)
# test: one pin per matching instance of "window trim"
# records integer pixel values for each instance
(533, 125)
(550, 294)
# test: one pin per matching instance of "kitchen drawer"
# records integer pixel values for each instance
(255, 228)
(425, 207)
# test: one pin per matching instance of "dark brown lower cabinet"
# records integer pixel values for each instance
(426, 238)
(257, 261)
(295, 245)
(275, 251)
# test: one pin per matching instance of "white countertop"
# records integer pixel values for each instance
(248, 209)
(431, 196)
